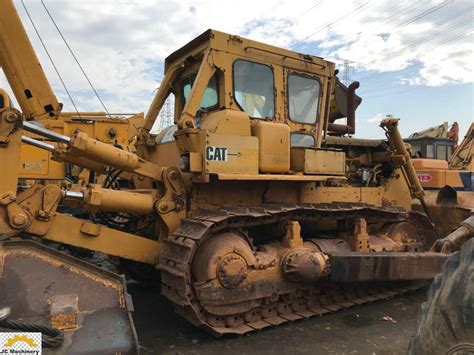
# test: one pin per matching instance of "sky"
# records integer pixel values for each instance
(413, 58)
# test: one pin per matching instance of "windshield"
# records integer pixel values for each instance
(303, 98)
(302, 140)
(254, 88)
(209, 100)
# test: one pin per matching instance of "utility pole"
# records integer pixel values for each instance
(166, 114)
(347, 70)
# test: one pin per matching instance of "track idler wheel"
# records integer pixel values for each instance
(225, 257)
(404, 236)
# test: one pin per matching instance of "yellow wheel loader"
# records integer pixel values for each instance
(254, 207)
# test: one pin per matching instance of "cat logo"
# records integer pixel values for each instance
(216, 153)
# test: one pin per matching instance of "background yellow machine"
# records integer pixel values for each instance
(447, 176)
(254, 207)
(448, 164)
(39, 104)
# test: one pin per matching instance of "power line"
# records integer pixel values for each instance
(452, 27)
(388, 20)
(348, 39)
(305, 12)
(331, 22)
(440, 45)
(376, 92)
(394, 90)
(273, 8)
(424, 14)
(406, 22)
(397, 13)
(75, 58)
(51, 59)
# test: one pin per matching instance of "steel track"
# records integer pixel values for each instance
(180, 247)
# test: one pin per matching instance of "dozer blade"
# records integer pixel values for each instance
(447, 208)
(46, 287)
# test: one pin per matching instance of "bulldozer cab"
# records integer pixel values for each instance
(266, 83)
(244, 107)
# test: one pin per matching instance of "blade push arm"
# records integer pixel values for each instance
(84, 151)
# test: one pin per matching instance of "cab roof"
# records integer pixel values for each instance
(220, 41)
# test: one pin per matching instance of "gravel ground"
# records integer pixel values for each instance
(358, 330)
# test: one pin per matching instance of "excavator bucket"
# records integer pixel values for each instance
(45, 287)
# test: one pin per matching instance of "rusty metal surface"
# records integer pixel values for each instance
(447, 217)
(244, 309)
(44, 286)
(64, 311)
(357, 267)
(456, 238)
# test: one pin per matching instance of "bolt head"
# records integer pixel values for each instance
(173, 175)
(20, 220)
(10, 117)
(112, 132)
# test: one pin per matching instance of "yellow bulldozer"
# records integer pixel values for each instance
(254, 208)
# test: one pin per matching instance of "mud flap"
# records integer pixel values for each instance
(90, 305)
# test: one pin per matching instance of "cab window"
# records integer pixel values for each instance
(441, 152)
(254, 88)
(450, 152)
(209, 100)
(302, 140)
(303, 98)
(429, 151)
(416, 149)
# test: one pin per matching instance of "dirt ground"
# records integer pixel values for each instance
(358, 330)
